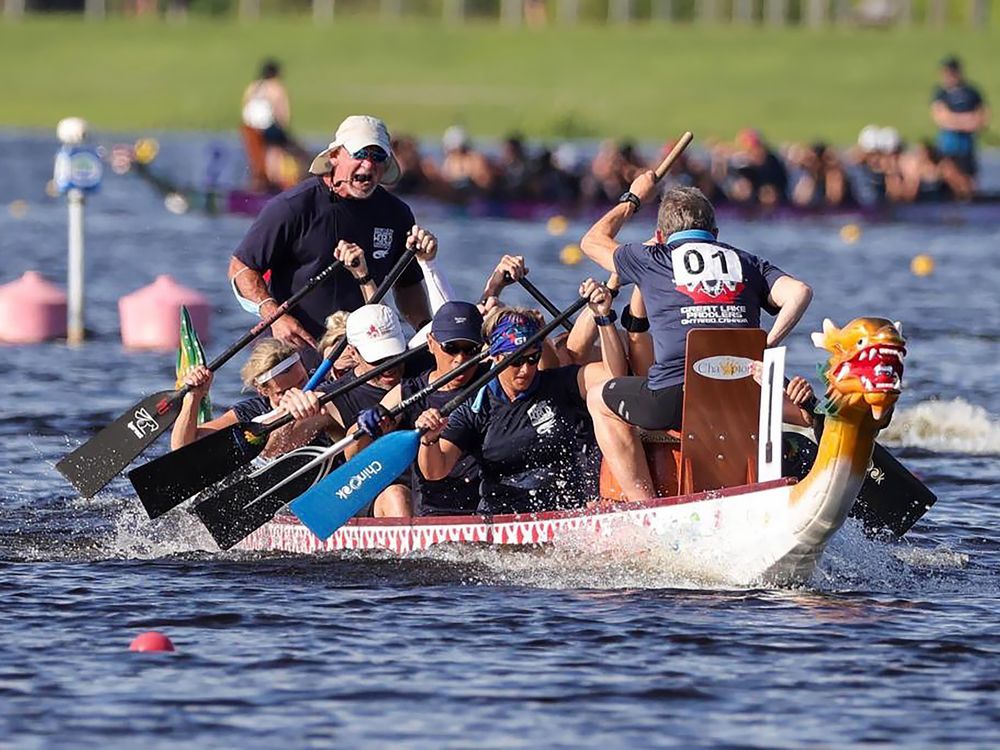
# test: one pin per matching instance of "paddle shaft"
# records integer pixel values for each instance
(344, 443)
(344, 387)
(265, 323)
(544, 301)
(669, 159)
(380, 292)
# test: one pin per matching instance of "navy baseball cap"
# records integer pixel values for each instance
(457, 321)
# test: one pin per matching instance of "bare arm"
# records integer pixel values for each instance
(599, 242)
(792, 297)
(250, 284)
(436, 457)
(613, 364)
(640, 345)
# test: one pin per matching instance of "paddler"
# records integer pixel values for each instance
(529, 428)
(455, 337)
(341, 204)
(688, 279)
(275, 371)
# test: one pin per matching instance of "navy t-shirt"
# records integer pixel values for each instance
(354, 401)
(457, 493)
(693, 281)
(959, 99)
(294, 236)
(534, 453)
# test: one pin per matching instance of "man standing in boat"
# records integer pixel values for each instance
(341, 205)
(688, 279)
(959, 111)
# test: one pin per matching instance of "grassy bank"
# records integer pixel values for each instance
(648, 81)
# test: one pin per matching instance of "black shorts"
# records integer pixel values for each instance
(633, 400)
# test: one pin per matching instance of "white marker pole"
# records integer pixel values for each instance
(77, 170)
(75, 332)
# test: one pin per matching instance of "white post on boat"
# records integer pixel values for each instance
(772, 395)
(78, 170)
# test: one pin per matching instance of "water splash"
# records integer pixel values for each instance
(953, 426)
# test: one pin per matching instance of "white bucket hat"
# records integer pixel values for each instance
(375, 331)
(355, 133)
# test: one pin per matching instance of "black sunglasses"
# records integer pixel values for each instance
(527, 359)
(374, 153)
(460, 347)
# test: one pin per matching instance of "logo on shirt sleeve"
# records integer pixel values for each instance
(708, 274)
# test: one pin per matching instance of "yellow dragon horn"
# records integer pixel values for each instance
(899, 326)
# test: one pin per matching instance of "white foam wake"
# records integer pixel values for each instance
(947, 426)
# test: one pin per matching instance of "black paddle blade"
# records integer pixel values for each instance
(239, 509)
(96, 462)
(890, 497)
(169, 480)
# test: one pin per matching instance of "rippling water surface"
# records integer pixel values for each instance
(890, 643)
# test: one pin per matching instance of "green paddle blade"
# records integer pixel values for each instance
(190, 354)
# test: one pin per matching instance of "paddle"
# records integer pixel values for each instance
(235, 511)
(545, 302)
(890, 497)
(380, 292)
(169, 480)
(96, 462)
(331, 503)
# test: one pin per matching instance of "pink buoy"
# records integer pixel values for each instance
(31, 310)
(150, 317)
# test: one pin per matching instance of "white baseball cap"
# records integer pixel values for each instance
(375, 331)
(355, 133)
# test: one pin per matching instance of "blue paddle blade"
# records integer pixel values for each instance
(327, 506)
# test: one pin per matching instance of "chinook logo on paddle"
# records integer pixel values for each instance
(723, 367)
(359, 479)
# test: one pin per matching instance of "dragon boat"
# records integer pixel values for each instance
(722, 500)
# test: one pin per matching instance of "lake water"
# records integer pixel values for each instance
(891, 643)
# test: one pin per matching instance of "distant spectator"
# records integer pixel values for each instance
(276, 160)
(759, 176)
(468, 172)
(822, 181)
(959, 111)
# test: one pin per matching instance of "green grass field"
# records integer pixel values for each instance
(646, 81)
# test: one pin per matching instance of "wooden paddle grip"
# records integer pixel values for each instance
(670, 158)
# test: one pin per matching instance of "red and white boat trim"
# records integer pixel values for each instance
(751, 522)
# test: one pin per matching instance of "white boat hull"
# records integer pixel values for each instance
(743, 535)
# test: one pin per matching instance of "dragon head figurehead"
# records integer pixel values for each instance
(865, 370)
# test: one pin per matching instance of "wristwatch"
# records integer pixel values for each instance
(606, 320)
(629, 197)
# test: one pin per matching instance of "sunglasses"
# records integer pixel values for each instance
(527, 359)
(374, 153)
(460, 347)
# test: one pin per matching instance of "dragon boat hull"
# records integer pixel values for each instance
(744, 535)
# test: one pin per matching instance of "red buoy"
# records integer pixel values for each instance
(151, 641)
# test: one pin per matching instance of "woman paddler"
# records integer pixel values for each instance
(528, 429)
(275, 371)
